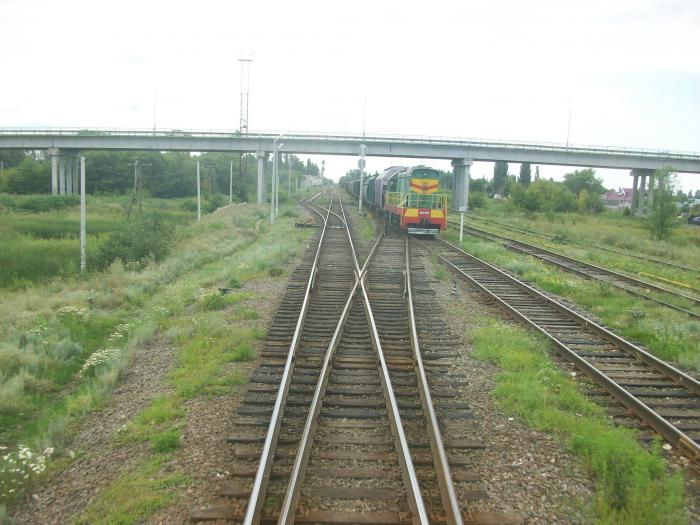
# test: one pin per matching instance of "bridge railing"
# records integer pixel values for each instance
(345, 137)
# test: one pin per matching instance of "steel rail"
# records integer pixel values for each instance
(583, 243)
(508, 243)
(296, 480)
(442, 467)
(408, 471)
(654, 420)
(262, 475)
(410, 479)
(669, 371)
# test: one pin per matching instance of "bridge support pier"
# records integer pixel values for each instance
(54, 172)
(64, 172)
(61, 176)
(642, 196)
(460, 185)
(69, 176)
(262, 183)
(76, 172)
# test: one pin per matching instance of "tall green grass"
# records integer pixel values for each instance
(609, 228)
(39, 234)
(668, 334)
(64, 345)
(632, 484)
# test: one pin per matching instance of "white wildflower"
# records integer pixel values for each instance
(98, 358)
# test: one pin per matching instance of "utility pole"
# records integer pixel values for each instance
(361, 165)
(212, 170)
(83, 234)
(138, 185)
(199, 196)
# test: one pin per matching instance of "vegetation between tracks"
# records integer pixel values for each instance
(65, 346)
(670, 335)
(610, 229)
(632, 483)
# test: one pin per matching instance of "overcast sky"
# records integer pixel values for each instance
(628, 71)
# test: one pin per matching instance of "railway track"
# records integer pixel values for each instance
(348, 419)
(621, 281)
(549, 237)
(663, 397)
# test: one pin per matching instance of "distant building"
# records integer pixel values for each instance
(620, 199)
(309, 181)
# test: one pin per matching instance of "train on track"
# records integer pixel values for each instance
(408, 197)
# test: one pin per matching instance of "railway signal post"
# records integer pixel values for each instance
(361, 165)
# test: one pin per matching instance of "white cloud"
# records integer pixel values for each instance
(628, 69)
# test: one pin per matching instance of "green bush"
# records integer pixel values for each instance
(136, 242)
(243, 352)
(212, 299)
(275, 271)
(477, 200)
(38, 203)
(166, 441)
(543, 195)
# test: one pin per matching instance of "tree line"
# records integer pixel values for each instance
(162, 174)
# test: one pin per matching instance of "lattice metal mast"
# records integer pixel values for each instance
(243, 122)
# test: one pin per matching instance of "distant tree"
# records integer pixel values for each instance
(500, 176)
(661, 221)
(11, 158)
(525, 175)
(697, 194)
(584, 179)
(544, 195)
(311, 168)
(29, 176)
(478, 185)
(589, 202)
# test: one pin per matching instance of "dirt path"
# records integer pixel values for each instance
(99, 459)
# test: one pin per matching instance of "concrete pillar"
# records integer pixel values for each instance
(69, 175)
(262, 184)
(635, 192)
(76, 167)
(650, 192)
(54, 174)
(61, 175)
(460, 187)
(642, 206)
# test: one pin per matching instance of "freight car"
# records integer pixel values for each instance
(408, 197)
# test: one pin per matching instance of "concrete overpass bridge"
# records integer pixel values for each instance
(63, 143)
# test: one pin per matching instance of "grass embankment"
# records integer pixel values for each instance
(68, 347)
(668, 334)
(610, 229)
(40, 234)
(632, 484)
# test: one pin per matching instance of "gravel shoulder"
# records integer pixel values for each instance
(524, 472)
(99, 459)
